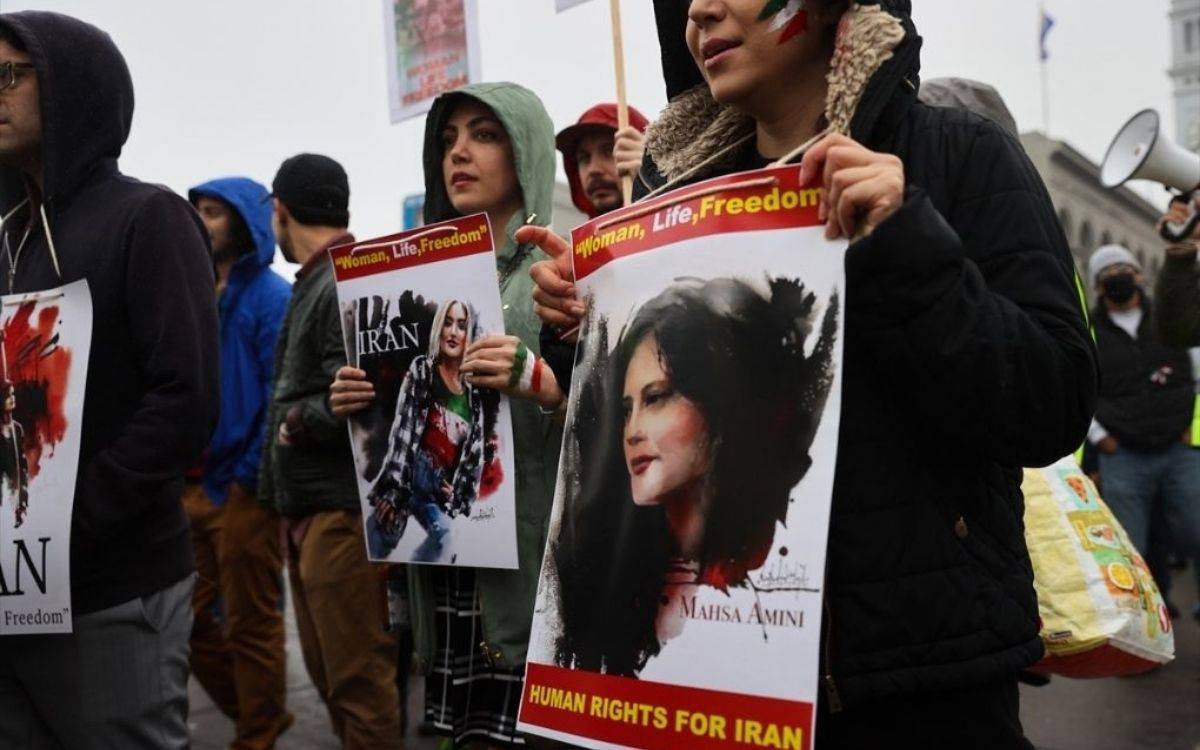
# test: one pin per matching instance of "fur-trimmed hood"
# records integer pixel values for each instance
(877, 57)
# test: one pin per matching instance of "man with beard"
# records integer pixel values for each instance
(596, 154)
(1143, 424)
(308, 471)
(237, 634)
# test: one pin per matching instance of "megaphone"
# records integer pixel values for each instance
(1142, 151)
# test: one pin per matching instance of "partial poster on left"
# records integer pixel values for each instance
(45, 339)
(433, 454)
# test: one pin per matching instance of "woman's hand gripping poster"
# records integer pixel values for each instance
(432, 449)
(680, 596)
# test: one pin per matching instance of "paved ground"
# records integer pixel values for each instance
(212, 731)
(1159, 711)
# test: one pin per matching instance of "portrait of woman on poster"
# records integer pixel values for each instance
(438, 448)
(680, 484)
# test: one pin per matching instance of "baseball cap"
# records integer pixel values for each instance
(315, 190)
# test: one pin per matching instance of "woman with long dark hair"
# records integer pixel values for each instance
(678, 482)
(966, 352)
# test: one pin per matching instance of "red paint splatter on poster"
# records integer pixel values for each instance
(37, 367)
(492, 478)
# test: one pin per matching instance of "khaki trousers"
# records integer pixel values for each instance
(340, 609)
(237, 636)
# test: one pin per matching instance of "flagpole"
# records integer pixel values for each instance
(1043, 69)
(622, 105)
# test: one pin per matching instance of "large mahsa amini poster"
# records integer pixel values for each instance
(680, 599)
(433, 454)
(45, 339)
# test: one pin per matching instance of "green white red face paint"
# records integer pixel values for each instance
(788, 15)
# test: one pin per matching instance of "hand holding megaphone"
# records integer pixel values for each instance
(1182, 220)
(1142, 151)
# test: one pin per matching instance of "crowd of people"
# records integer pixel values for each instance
(214, 443)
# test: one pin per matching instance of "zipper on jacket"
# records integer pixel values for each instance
(831, 692)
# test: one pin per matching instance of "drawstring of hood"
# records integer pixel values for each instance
(4, 219)
(49, 242)
(13, 257)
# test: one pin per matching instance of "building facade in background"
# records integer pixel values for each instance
(1185, 70)
(1091, 214)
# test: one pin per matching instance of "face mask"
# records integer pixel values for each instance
(1120, 288)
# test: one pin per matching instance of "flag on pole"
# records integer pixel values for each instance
(1046, 25)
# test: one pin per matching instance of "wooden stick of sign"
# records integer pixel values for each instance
(622, 104)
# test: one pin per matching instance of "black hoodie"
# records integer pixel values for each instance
(151, 398)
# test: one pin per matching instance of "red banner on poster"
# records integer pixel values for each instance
(639, 713)
(764, 199)
(432, 243)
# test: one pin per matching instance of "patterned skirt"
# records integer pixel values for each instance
(466, 698)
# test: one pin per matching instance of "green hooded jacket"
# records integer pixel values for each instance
(506, 596)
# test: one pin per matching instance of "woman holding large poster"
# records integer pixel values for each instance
(967, 353)
(490, 148)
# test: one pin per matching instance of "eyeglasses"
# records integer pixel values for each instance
(8, 73)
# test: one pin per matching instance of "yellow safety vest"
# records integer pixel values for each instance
(1196, 424)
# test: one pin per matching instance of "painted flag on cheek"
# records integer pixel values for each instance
(788, 15)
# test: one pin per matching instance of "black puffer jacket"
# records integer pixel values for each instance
(1147, 397)
(967, 356)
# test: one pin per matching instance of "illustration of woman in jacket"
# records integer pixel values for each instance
(436, 453)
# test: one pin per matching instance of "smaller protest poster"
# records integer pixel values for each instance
(681, 590)
(561, 5)
(432, 48)
(433, 454)
(45, 339)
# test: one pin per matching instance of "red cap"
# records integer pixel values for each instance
(602, 116)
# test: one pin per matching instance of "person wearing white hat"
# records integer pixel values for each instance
(1142, 427)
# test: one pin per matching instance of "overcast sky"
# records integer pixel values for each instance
(235, 86)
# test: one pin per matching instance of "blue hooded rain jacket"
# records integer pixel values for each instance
(251, 309)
